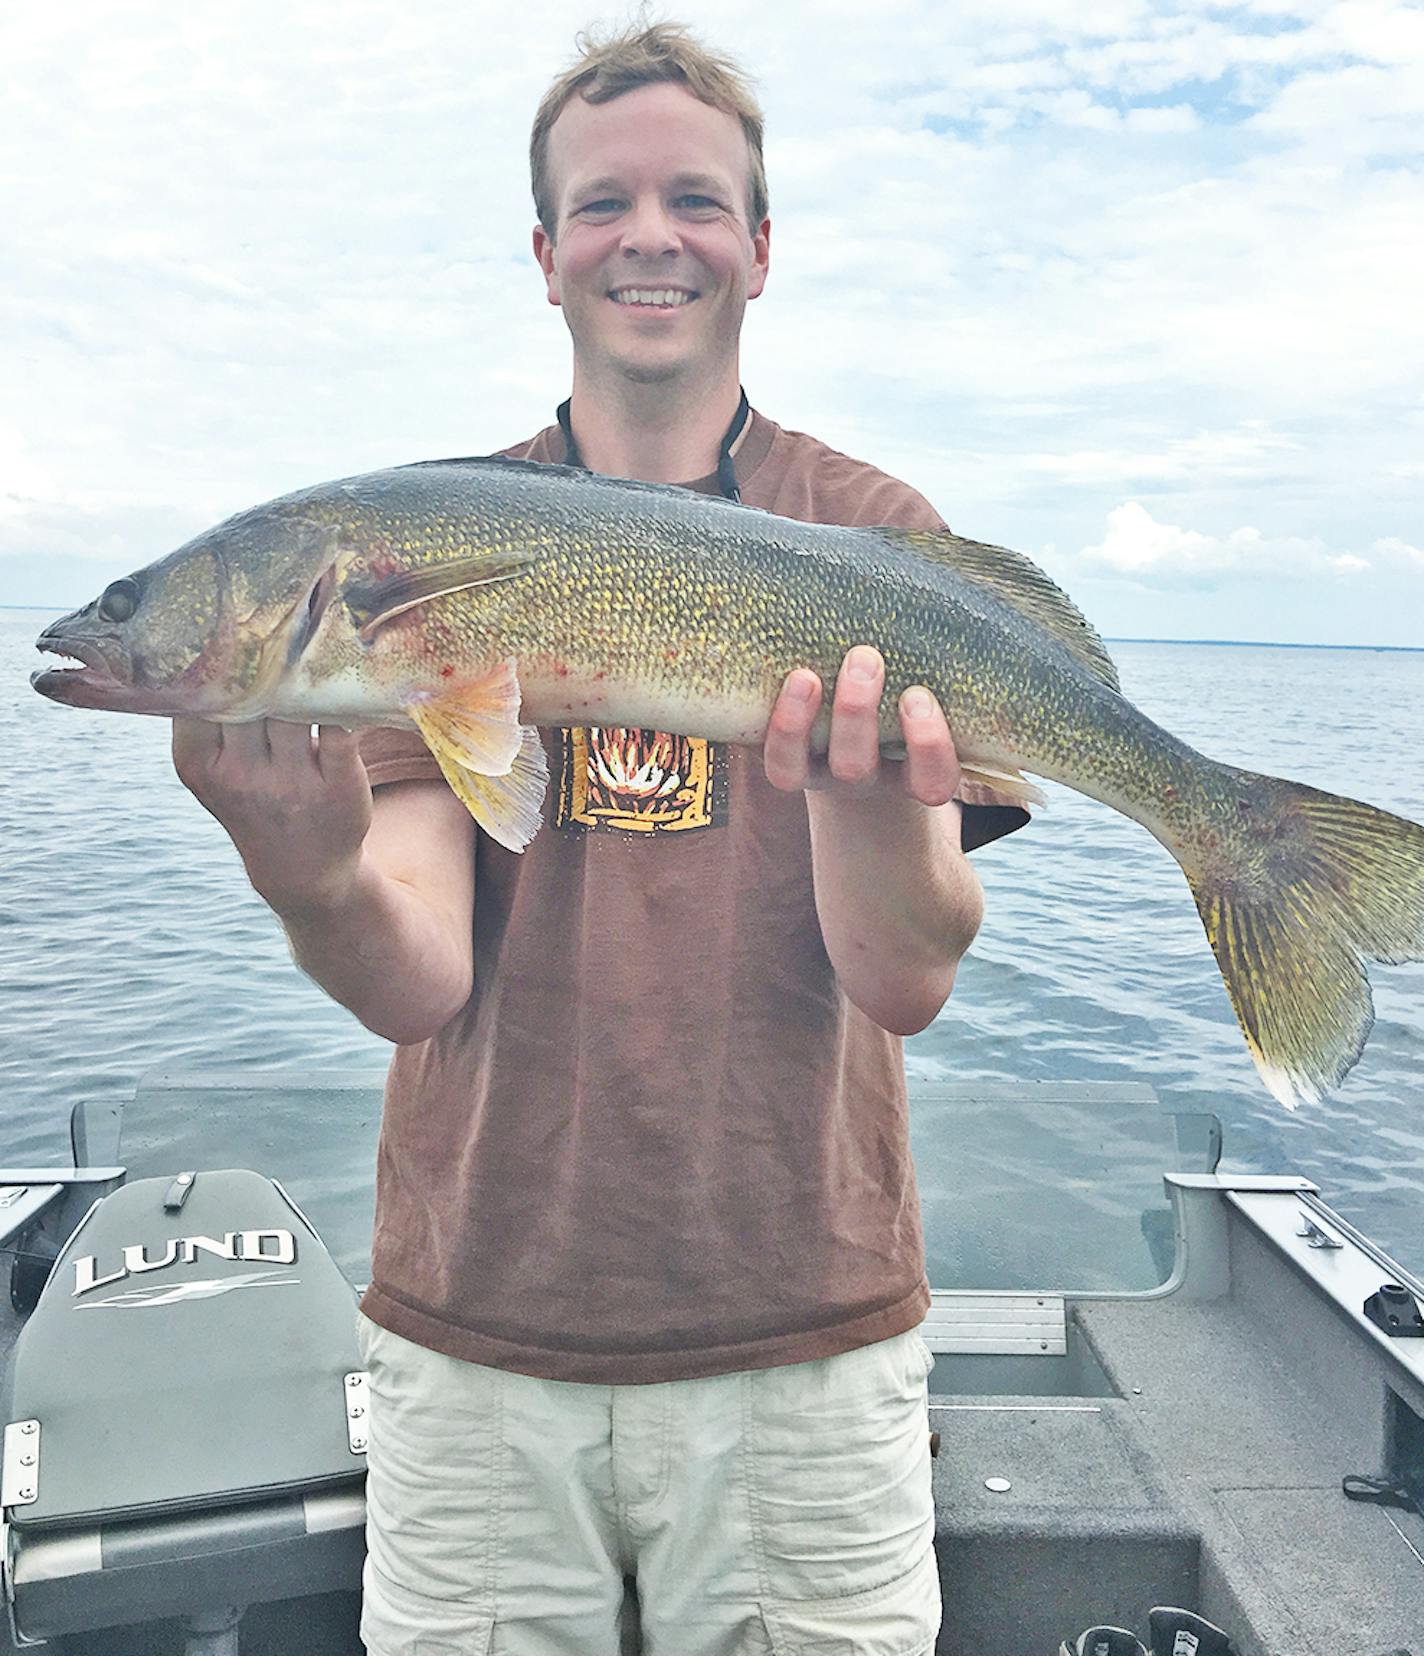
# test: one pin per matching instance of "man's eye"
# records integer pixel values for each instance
(606, 205)
(698, 203)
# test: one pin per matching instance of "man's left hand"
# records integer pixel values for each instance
(852, 763)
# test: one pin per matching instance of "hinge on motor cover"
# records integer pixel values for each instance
(20, 1477)
(357, 1389)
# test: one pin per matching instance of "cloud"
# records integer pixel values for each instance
(1050, 258)
(23, 476)
(1391, 547)
(1162, 118)
(1251, 451)
(1137, 545)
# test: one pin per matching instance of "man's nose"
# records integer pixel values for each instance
(650, 230)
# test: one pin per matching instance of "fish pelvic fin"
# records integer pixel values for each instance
(495, 766)
(1295, 894)
(1019, 582)
(1008, 784)
(510, 807)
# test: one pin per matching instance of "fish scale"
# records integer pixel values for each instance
(476, 600)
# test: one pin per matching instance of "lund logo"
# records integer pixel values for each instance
(266, 1247)
(207, 1288)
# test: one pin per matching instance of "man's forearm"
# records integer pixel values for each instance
(341, 872)
(375, 946)
(897, 899)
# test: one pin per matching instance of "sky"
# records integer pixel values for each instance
(1130, 287)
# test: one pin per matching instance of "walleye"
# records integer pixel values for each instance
(477, 600)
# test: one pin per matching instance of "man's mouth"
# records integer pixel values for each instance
(652, 298)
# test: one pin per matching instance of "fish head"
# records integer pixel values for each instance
(210, 631)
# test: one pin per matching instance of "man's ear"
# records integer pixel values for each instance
(544, 253)
(761, 258)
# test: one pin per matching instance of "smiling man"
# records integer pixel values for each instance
(650, 242)
(648, 1266)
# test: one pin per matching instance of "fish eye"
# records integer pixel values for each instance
(119, 601)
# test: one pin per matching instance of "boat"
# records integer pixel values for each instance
(1219, 1407)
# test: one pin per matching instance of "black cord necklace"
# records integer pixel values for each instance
(726, 471)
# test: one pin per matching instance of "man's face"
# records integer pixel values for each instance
(653, 260)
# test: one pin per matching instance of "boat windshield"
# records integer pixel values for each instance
(1023, 1186)
(1051, 1185)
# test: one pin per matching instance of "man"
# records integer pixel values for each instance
(648, 1263)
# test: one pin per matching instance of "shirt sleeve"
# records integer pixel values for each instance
(396, 756)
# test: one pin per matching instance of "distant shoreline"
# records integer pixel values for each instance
(1263, 644)
(1228, 643)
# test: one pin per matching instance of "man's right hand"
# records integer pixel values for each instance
(297, 808)
(377, 898)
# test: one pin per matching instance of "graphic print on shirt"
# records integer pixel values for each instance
(640, 780)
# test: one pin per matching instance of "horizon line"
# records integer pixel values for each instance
(1108, 638)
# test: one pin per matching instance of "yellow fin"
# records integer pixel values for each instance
(1299, 888)
(1018, 582)
(1010, 784)
(509, 807)
(495, 765)
(477, 723)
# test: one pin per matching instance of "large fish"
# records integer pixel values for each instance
(479, 599)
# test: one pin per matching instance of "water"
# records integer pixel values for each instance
(130, 940)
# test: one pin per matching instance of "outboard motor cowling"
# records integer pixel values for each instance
(186, 1416)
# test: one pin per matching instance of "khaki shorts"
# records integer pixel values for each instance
(781, 1512)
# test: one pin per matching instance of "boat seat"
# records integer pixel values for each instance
(185, 1413)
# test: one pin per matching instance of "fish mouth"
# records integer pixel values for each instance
(93, 683)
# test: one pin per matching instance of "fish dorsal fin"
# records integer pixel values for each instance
(495, 765)
(1018, 582)
(371, 603)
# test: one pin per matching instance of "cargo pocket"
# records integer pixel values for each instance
(901, 1619)
(838, 1473)
(398, 1622)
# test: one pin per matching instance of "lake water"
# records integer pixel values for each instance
(130, 940)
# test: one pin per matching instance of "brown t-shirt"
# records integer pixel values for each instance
(658, 1142)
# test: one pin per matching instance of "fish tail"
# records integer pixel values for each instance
(1296, 888)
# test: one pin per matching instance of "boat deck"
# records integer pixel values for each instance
(1185, 1445)
(1211, 1480)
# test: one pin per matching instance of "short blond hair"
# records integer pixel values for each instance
(643, 55)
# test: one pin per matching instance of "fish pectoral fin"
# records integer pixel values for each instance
(495, 765)
(378, 599)
(1019, 582)
(1008, 784)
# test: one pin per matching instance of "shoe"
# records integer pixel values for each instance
(1104, 1641)
(1181, 1633)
